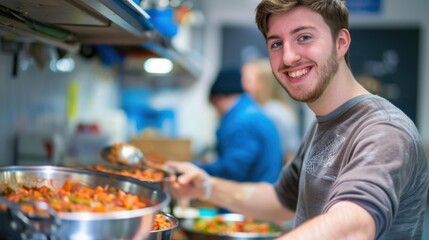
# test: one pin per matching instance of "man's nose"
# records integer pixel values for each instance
(290, 55)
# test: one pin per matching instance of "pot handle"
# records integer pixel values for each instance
(32, 225)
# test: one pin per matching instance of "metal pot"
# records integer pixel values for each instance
(164, 234)
(188, 226)
(132, 224)
(115, 170)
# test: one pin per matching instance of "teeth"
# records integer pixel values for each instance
(298, 73)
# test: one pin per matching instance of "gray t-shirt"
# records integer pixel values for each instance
(368, 152)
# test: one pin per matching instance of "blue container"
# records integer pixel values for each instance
(163, 21)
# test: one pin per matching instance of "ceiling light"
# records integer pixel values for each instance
(65, 65)
(158, 65)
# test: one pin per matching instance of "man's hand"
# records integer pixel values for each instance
(193, 183)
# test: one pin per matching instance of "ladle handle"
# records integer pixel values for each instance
(167, 172)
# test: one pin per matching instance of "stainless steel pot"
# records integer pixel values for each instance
(188, 226)
(116, 171)
(164, 234)
(132, 224)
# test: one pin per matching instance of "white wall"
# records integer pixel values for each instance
(394, 12)
(37, 98)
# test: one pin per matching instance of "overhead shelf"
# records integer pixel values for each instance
(111, 22)
(89, 21)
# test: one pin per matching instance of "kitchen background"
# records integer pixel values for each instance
(54, 110)
(49, 111)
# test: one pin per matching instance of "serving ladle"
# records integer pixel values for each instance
(129, 155)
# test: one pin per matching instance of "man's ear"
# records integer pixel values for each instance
(343, 42)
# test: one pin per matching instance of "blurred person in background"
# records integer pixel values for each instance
(361, 171)
(247, 143)
(259, 82)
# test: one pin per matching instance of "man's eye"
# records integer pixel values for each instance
(304, 38)
(276, 44)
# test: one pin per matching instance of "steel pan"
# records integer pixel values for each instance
(116, 170)
(132, 224)
(164, 234)
(188, 226)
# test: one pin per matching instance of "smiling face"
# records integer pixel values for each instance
(302, 52)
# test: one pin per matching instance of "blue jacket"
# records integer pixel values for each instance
(248, 145)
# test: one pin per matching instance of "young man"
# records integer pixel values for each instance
(361, 171)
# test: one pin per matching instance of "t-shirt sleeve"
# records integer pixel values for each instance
(287, 186)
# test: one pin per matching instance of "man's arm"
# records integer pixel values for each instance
(257, 200)
(344, 220)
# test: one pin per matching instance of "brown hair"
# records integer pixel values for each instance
(334, 13)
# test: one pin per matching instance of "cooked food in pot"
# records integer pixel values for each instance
(231, 226)
(163, 227)
(115, 155)
(127, 224)
(161, 222)
(138, 173)
(73, 197)
(219, 225)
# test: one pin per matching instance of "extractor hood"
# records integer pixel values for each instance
(86, 21)
(68, 24)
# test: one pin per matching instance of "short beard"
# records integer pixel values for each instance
(327, 71)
